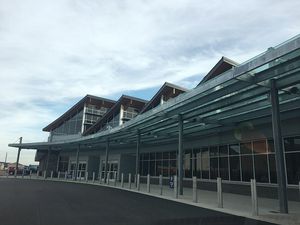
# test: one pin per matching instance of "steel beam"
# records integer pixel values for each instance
(180, 154)
(106, 160)
(77, 162)
(18, 157)
(279, 157)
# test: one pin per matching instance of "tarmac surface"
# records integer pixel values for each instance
(34, 202)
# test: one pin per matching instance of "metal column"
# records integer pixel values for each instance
(77, 162)
(180, 152)
(279, 157)
(106, 161)
(47, 161)
(137, 157)
(18, 157)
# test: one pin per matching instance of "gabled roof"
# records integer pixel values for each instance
(222, 66)
(77, 107)
(124, 99)
(166, 89)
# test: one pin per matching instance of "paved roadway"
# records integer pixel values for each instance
(33, 202)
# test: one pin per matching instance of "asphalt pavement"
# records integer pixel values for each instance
(38, 202)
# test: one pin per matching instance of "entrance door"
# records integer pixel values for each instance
(112, 169)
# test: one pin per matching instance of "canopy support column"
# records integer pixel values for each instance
(137, 157)
(279, 157)
(47, 160)
(180, 154)
(77, 162)
(106, 160)
(18, 157)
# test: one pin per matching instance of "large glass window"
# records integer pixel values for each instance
(293, 167)
(235, 173)
(247, 167)
(261, 168)
(187, 163)
(214, 162)
(197, 163)
(292, 144)
(223, 162)
(205, 163)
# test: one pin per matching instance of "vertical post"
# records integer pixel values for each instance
(254, 198)
(195, 194)
(18, 157)
(51, 174)
(129, 180)
(107, 178)
(160, 185)
(148, 183)
(175, 187)
(106, 161)
(45, 174)
(30, 174)
(138, 182)
(220, 194)
(47, 161)
(100, 177)
(122, 180)
(86, 176)
(66, 175)
(180, 154)
(93, 179)
(58, 175)
(137, 155)
(115, 178)
(57, 163)
(279, 157)
(77, 162)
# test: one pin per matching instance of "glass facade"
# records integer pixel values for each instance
(235, 162)
(71, 126)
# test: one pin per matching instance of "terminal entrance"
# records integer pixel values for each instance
(81, 172)
(113, 167)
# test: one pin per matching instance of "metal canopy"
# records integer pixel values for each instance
(240, 94)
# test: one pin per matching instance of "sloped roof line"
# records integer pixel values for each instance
(75, 107)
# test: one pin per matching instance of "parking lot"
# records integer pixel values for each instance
(57, 203)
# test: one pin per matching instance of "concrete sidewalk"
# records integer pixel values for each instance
(234, 204)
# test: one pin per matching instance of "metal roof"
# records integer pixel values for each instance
(240, 94)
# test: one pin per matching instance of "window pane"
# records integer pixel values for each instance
(246, 148)
(223, 165)
(158, 155)
(166, 155)
(259, 147)
(271, 146)
(223, 150)
(292, 144)
(152, 168)
(187, 165)
(196, 152)
(158, 167)
(145, 168)
(165, 168)
(293, 167)
(197, 166)
(261, 168)
(205, 163)
(152, 156)
(235, 173)
(214, 168)
(234, 149)
(214, 151)
(272, 165)
(146, 156)
(247, 167)
(173, 167)
(173, 155)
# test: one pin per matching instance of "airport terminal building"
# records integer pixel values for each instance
(241, 122)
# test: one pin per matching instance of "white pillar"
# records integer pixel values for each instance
(45, 174)
(30, 174)
(148, 183)
(66, 175)
(122, 180)
(138, 182)
(129, 180)
(175, 187)
(115, 178)
(195, 194)
(160, 185)
(51, 175)
(220, 194)
(254, 198)
(58, 175)
(93, 177)
(107, 178)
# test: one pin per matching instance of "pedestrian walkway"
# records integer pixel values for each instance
(235, 204)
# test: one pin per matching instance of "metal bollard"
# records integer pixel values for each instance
(160, 185)
(175, 187)
(148, 183)
(15, 173)
(30, 174)
(51, 175)
(195, 194)
(37, 174)
(254, 198)
(122, 180)
(58, 175)
(107, 179)
(129, 180)
(220, 194)
(45, 174)
(87, 176)
(93, 179)
(138, 182)
(115, 178)
(66, 175)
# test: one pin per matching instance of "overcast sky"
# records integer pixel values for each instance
(52, 53)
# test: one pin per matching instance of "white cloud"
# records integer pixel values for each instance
(54, 51)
